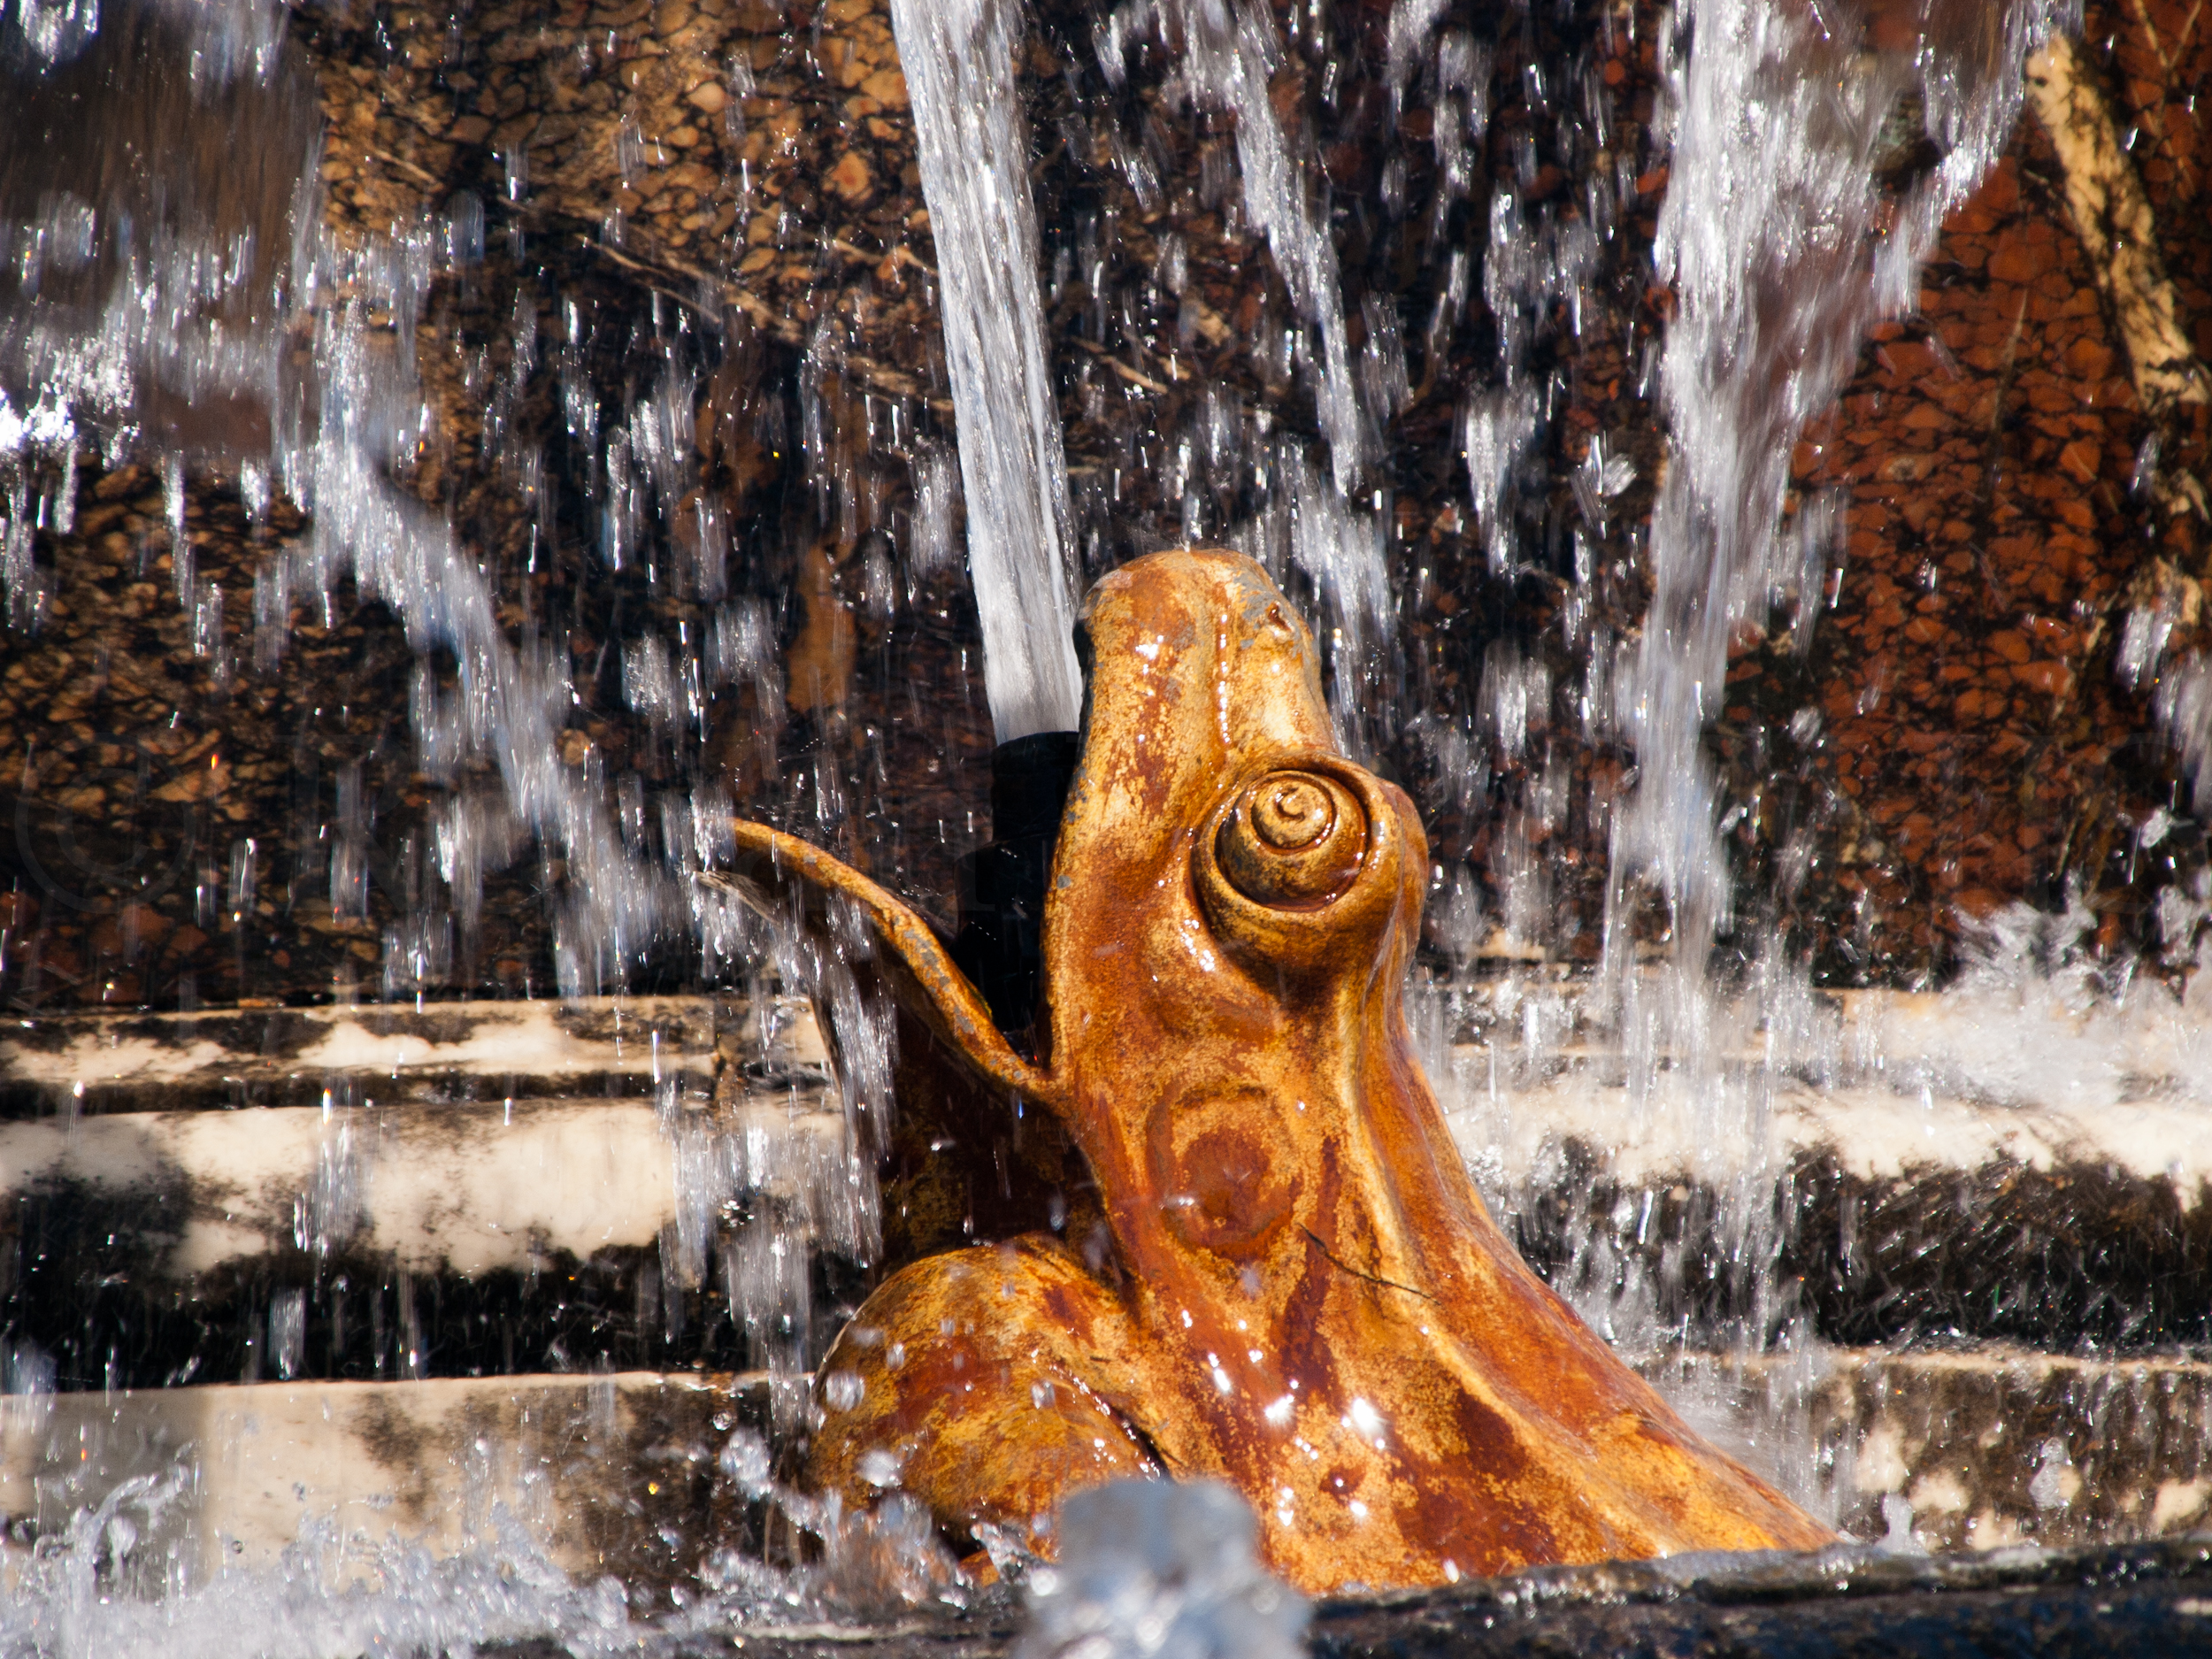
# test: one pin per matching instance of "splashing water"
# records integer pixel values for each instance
(124, 1577)
(146, 277)
(1229, 52)
(1316, 525)
(1160, 1568)
(328, 1598)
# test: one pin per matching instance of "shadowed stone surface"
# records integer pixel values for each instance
(2089, 1604)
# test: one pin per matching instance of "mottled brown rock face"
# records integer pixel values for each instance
(2012, 496)
(1296, 1288)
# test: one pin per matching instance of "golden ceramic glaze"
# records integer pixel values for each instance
(1292, 1284)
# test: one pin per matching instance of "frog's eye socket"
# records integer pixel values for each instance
(1307, 868)
(1293, 840)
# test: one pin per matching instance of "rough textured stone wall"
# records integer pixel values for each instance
(730, 188)
(1979, 743)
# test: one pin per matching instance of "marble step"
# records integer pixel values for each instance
(139, 1249)
(1884, 1078)
(396, 1052)
(2017, 1158)
(1975, 1447)
(2035, 1204)
(466, 1188)
(613, 1472)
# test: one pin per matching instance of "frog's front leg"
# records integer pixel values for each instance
(982, 1382)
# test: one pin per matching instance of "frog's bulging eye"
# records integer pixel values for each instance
(1293, 840)
(1304, 870)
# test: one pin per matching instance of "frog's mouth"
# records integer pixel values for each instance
(999, 944)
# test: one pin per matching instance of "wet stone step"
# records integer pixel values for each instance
(153, 1248)
(1975, 1447)
(356, 1318)
(1996, 1454)
(2140, 1598)
(386, 1224)
(613, 1472)
(2001, 1162)
(467, 1188)
(385, 1193)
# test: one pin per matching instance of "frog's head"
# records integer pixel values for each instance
(1231, 904)
(1230, 907)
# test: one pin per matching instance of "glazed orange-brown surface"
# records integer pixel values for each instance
(1295, 1287)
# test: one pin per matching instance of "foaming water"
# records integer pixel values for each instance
(124, 1577)
(321, 1600)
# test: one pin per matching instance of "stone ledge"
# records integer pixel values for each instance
(603, 1470)
(268, 1056)
(1986, 1449)
(464, 1188)
(1972, 1448)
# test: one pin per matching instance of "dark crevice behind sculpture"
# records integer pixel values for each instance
(1002, 882)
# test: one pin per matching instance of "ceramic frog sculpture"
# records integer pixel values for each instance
(1295, 1289)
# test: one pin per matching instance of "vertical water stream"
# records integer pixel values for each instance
(1782, 243)
(959, 58)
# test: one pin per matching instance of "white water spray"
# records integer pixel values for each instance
(1783, 246)
(1773, 236)
(1229, 52)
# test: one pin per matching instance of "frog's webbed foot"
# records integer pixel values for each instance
(983, 1382)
